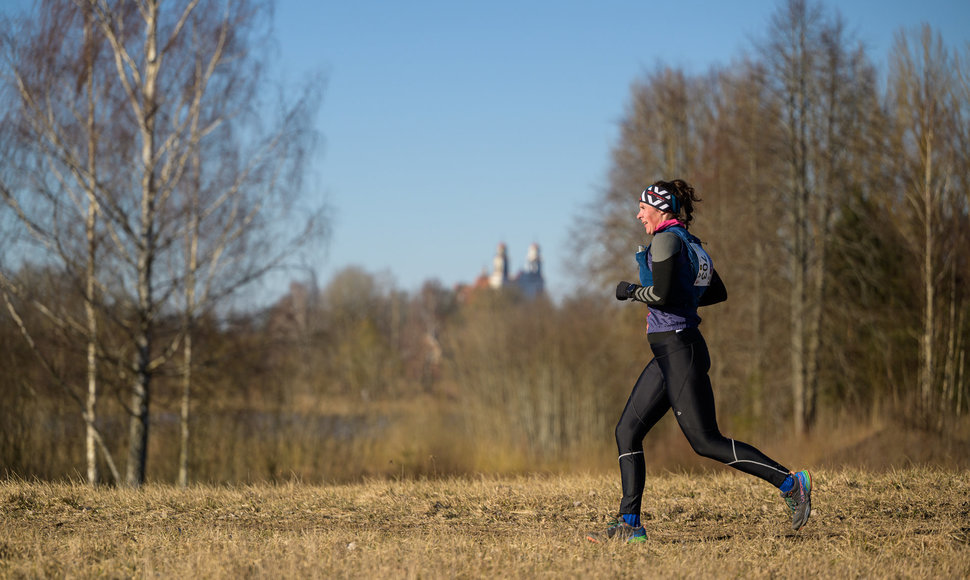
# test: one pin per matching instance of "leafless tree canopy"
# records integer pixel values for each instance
(148, 174)
(153, 167)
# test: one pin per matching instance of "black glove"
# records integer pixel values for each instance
(625, 290)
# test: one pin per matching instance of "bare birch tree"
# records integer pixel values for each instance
(741, 168)
(922, 84)
(206, 53)
(52, 129)
(959, 364)
(822, 83)
(190, 159)
(91, 236)
(229, 208)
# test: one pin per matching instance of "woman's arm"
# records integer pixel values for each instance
(664, 251)
(715, 293)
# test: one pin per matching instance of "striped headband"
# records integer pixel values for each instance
(660, 199)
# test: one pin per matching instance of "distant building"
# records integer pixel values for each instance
(500, 268)
(528, 280)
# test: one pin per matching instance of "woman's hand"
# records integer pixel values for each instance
(626, 290)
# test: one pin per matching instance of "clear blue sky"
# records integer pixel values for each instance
(452, 126)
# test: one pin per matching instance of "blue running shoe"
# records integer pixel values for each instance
(799, 499)
(618, 530)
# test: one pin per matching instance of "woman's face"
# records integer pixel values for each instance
(650, 217)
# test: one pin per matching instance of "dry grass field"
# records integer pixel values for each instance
(901, 523)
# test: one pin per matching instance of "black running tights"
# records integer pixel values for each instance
(677, 378)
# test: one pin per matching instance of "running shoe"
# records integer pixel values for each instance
(799, 499)
(618, 530)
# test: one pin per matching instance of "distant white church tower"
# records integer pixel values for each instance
(500, 268)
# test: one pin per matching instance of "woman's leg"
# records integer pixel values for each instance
(685, 363)
(646, 405)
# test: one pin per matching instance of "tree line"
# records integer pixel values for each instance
(838, 203)
(144, 187)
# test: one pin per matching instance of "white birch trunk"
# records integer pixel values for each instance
(141, 389)
(927, 356)
(192, 255)
(89, 287)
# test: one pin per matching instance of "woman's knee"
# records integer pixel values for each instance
(710, 445)
(627, 434)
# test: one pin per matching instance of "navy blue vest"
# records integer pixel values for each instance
(692, 271)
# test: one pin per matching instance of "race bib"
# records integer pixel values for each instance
(705, 266)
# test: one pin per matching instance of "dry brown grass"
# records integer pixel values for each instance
(904, 523)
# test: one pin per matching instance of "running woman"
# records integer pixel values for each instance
(676, 277)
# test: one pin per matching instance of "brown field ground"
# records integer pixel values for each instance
(898, 523)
